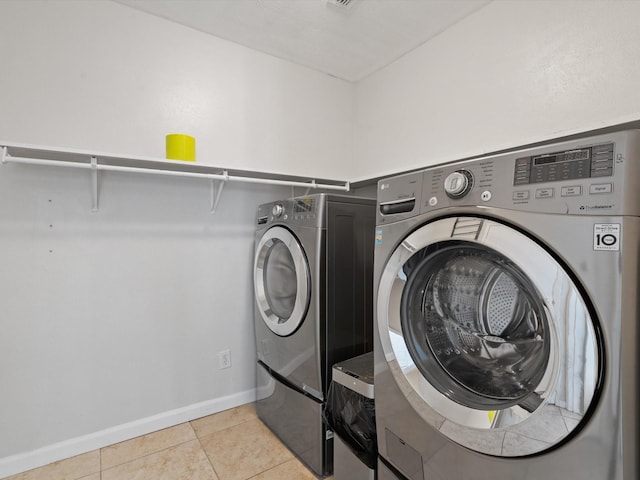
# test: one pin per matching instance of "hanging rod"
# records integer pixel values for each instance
(90, 161)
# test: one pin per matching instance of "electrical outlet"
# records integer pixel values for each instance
(225, 359)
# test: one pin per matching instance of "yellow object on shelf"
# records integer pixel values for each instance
(181, 147)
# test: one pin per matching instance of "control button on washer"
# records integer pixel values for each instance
(433, 201)
(485, 196)
(600, 188)
(544, 193)
(573, 191)
(521, 195)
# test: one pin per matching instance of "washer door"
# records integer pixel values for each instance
(488, 336)
(282, 281)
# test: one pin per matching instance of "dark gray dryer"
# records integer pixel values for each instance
(313, 279)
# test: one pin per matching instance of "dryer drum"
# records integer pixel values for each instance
(280, 280)
(474, 325)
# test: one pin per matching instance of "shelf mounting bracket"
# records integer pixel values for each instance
(313, 185)
(94, 184)
(216, 190)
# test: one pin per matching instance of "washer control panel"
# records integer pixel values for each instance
(578, 177)
(593, 161)
(589, 176)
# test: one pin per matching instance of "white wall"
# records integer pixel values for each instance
(513, 73)
(101, 76)
(110, 322)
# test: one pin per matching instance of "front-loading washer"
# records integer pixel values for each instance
(313, 283)
(506, 312)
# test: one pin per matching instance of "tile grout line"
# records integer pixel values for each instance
(226, 428)
(275, 466)
(197, 437)
(217, 432)
(147, 455)
(223, 430)
(206, 454)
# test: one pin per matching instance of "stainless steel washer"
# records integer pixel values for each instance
(506, 340)
(313, 307)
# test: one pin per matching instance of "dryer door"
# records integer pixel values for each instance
(489, 336)
(282, 281)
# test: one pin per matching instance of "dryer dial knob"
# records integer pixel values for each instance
(458, 183)
(277, 210)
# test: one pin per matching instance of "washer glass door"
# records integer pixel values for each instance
(476, 315)
(475, 318)
(281, 281)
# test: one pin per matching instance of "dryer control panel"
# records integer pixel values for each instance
(304, 211)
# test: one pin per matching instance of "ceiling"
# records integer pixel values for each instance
(349, 39)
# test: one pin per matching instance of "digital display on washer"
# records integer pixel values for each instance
(583, 154)
(574, 164)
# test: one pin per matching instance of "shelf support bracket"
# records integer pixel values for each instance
(216, 190)
(313, 185)
(4, 155)
(94, 184)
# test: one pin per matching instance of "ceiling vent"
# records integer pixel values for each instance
(341, 3)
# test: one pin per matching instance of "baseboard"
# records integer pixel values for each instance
(69, 448)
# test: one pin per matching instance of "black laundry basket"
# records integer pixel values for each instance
(350, 413)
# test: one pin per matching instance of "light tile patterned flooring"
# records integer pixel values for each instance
(230, 445)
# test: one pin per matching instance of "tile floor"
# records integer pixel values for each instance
(230, 445)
